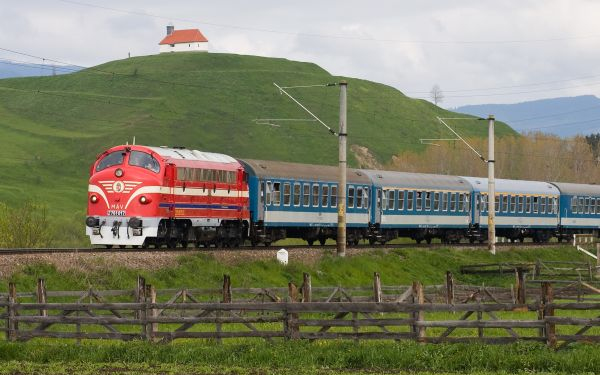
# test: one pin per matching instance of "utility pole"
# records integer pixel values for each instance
(341, 199)
(491, 188)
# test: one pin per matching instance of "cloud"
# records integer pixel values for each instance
(462, 45)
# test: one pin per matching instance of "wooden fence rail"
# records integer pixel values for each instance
(423, 314)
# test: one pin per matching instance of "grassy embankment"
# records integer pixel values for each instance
(397, 267)
(53, 127)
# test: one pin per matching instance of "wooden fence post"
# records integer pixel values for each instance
(151, 328)
(520, 285)
(141, 298)
(548, 311)
(139, 292)
(598, 259)
(376, 287)
(226, 289)
(12, 324)
(449, 288)
(292, 292)
(41, 295)
(419, 315)
(306, 288)
(290, 326)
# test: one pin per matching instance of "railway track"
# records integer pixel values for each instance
(22, 251)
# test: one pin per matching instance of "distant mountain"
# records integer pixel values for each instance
(9, 69)
(564, 117)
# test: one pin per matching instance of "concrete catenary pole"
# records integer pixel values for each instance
(491, 189)
(341, 201)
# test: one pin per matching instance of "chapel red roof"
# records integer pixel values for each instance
(184, 36)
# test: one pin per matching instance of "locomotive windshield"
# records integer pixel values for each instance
(144, 160)
(114, 158)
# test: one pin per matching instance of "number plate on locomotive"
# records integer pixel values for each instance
(116, 213)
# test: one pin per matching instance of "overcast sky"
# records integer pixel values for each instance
(476, 51)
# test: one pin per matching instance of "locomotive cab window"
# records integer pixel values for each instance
(112, 159)
(144, 160)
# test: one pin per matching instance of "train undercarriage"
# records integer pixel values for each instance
(234, 233)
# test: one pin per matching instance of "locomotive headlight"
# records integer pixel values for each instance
(145, 200)
(94, 199)
(119, 172)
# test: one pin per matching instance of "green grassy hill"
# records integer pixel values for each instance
(53, 127)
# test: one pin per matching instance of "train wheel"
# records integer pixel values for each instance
(418, 240)
(372, 241)
(428, 240)
(267, 243)
(310, 242)
(171, 244)
(322, 241)
(184, 244)
(109, 246)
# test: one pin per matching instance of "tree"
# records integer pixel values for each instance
(436, 94)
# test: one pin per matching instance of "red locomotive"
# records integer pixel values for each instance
(154, 196)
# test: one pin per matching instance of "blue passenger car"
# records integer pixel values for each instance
(300, 201)
(579, 209)
(523, 208)
(420, 206)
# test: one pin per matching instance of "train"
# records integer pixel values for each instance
(142, 196)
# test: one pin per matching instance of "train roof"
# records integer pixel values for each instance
(280, 169)
(194, 155)
(577, 189)
(480, 184)
(416, 180)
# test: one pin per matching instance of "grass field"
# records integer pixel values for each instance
(53, 127)
(238, 356)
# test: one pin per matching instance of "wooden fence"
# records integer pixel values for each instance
(448, 313)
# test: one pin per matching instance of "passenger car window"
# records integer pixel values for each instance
(144, 160)
(410, 200)
(286, 194)
(315, 195)
(334, 196)
(276, 195)
(306, 200)
(114, 158)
